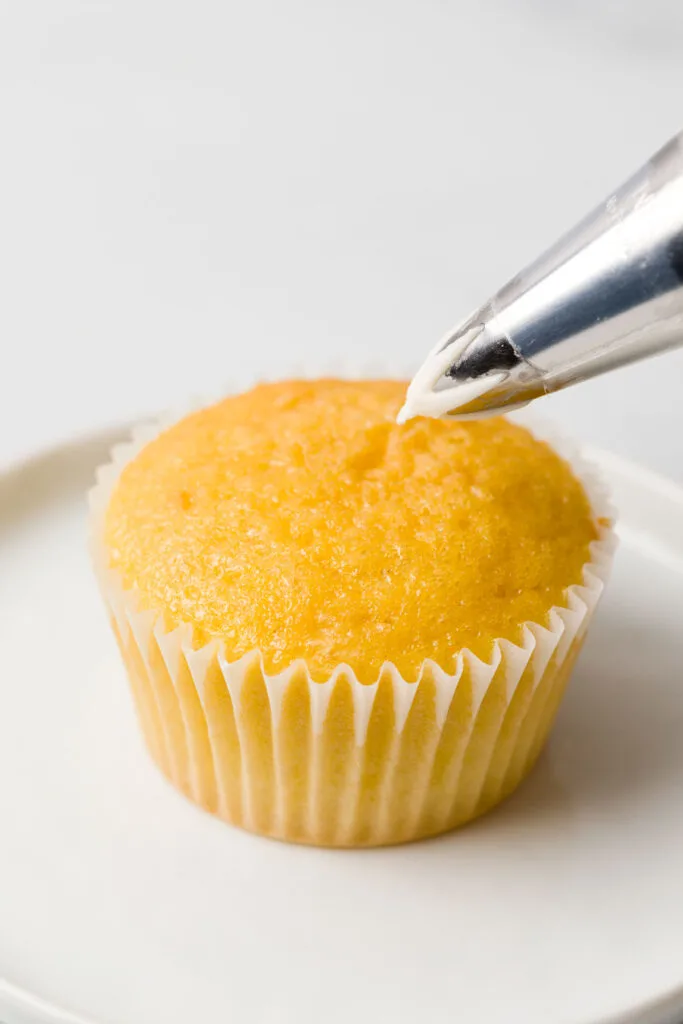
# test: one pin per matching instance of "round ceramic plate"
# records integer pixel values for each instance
(120, 903)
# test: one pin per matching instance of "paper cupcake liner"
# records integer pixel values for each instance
(339, 762)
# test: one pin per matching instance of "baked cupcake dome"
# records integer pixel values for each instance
(298, 532)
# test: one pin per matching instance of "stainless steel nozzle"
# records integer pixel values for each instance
(609, 293)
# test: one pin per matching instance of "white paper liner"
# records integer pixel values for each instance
(466, 760)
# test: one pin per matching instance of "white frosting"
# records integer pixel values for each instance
(423, 398)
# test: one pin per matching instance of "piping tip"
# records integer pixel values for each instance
(483, 355)
(447, 381)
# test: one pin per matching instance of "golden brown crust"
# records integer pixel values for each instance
(300, 519)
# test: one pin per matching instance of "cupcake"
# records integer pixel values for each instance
(339, 630)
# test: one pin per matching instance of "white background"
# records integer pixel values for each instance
(194, 192)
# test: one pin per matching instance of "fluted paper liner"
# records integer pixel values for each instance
(341, 763)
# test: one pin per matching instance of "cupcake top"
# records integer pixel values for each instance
(299, 519)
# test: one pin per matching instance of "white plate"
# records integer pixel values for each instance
(121, 903)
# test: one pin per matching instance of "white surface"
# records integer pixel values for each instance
(124, 903)
(190, 190)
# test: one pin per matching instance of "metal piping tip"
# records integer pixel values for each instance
(608, 293)
(444, 383)
(482, 356)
